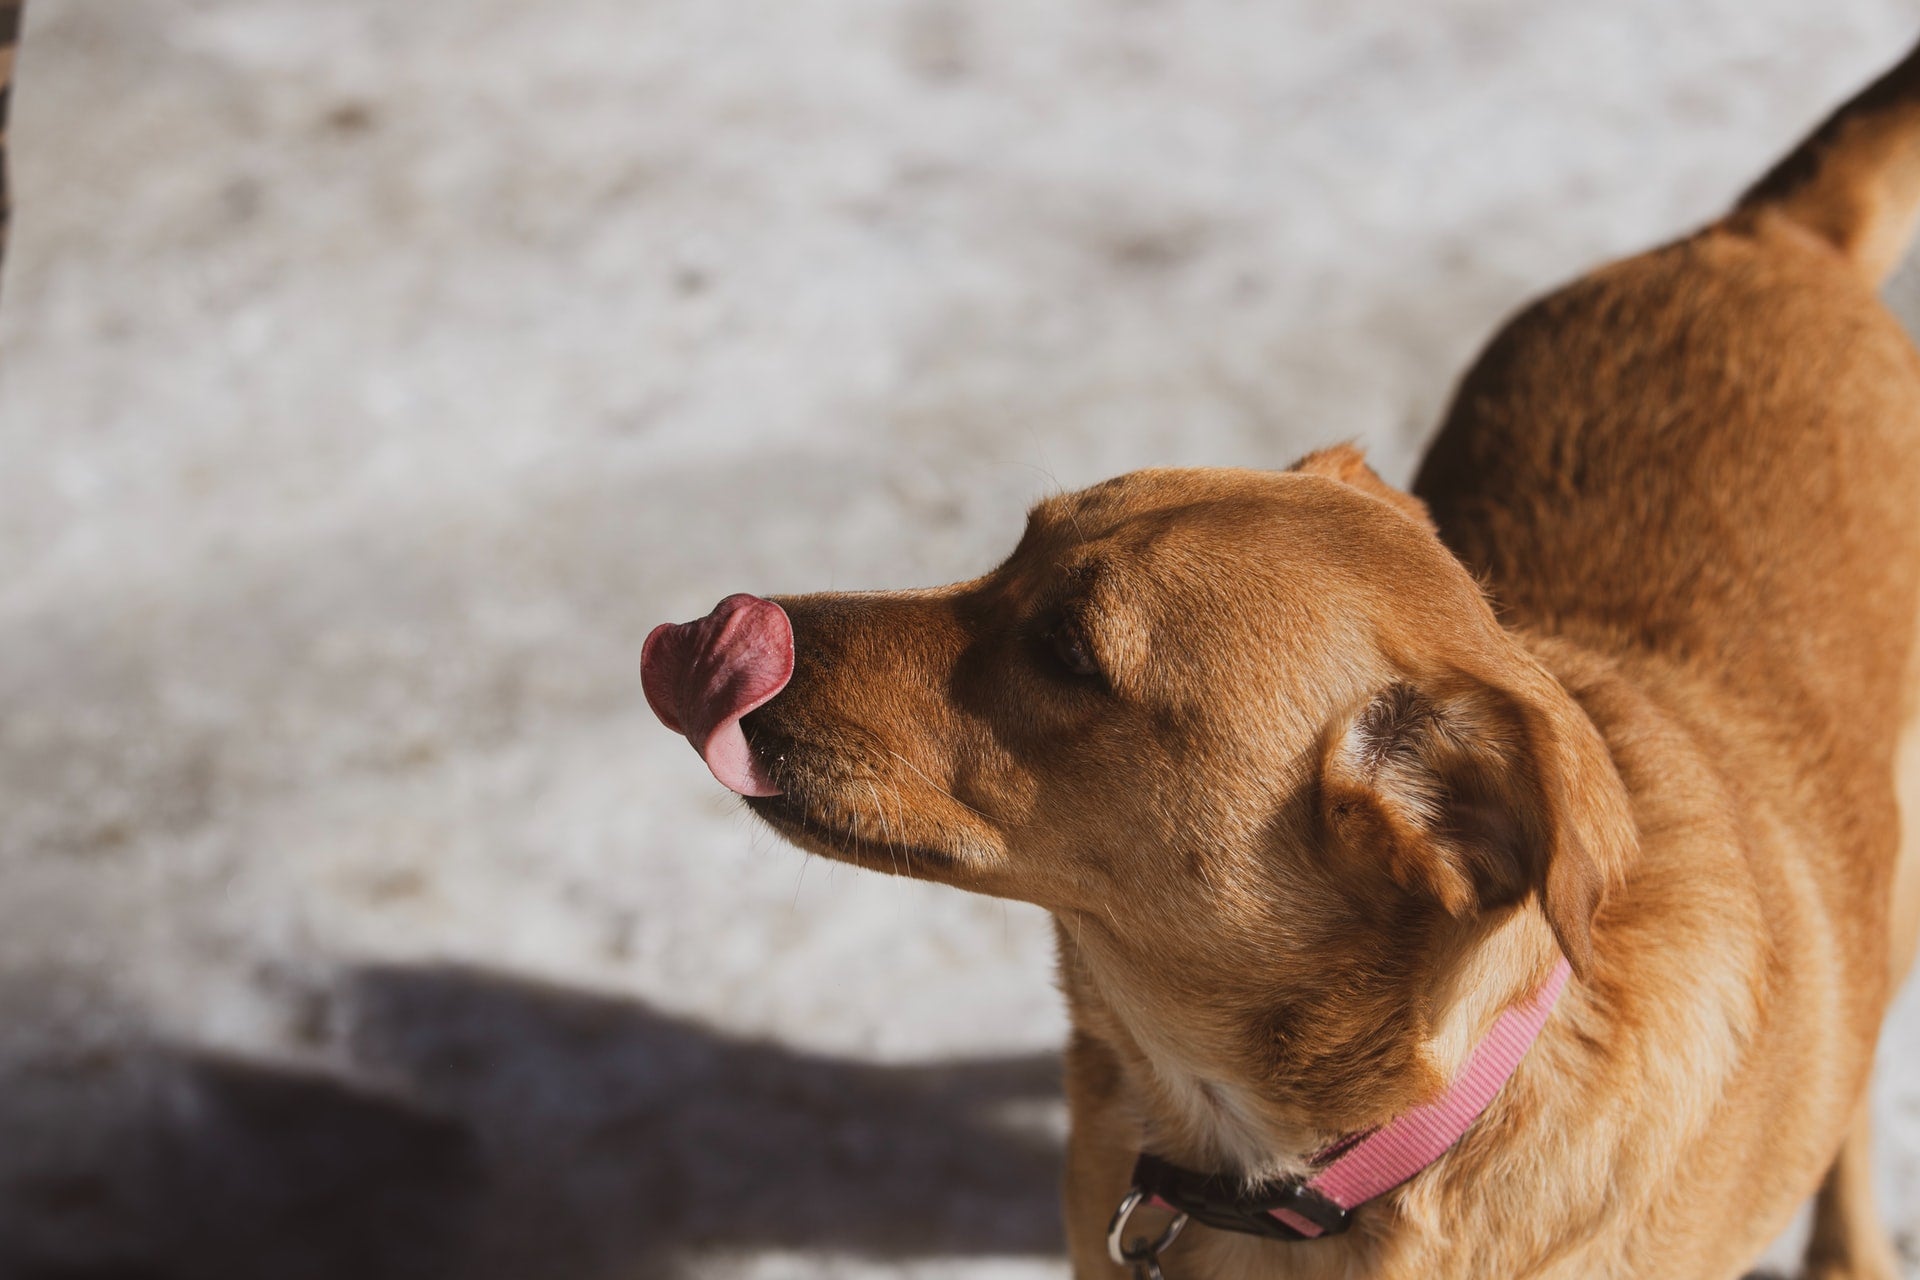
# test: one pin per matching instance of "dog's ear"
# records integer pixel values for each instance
(1345, 463)
(1477, 796)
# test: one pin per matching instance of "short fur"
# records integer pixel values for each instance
(1323, 813)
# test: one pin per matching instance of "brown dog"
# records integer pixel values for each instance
(1311, 816)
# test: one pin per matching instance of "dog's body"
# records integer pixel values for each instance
(1701, 467)
(1310, 817)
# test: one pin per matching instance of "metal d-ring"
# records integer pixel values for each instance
(1142, 1256)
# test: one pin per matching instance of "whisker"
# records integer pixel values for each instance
(936, 786)
(806, 857)
(906, 849)
(885, 832)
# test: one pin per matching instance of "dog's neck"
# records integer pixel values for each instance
(1193, 1109)
(1688, 933)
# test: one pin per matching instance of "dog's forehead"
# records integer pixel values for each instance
(1218, 513)
(1156, 491)
(1294, 556)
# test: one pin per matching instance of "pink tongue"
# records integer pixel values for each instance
(701, 677)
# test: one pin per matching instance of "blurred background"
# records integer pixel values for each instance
(374, 375)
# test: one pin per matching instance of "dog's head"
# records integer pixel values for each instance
(1218, 721)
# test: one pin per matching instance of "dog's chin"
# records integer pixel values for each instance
(795, 820)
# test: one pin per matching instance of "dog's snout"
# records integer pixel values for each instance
(701, 677)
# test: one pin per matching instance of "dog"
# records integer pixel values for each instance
(1505, 878)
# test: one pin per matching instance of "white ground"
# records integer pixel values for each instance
(375, 374)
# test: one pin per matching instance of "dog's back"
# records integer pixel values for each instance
(1713, 450)
(1705, 461)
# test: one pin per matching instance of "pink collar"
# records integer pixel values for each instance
(1352, 1171)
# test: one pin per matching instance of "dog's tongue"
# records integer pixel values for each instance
(701, 677)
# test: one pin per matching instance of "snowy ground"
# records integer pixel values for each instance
(375, 374)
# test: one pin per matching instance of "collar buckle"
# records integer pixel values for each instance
(1140, 1256)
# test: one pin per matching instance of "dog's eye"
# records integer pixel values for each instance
(1070, 646)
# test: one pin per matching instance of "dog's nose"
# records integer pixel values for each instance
(701, 677)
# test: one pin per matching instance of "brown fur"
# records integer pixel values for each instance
(1323, 813)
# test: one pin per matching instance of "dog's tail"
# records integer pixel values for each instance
(1855, 181)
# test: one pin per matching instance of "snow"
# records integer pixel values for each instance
(375, 375)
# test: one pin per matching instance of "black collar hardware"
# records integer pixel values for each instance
(1228, 1204)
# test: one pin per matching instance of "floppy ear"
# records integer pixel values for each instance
(1477, 797)
(1345, 463)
